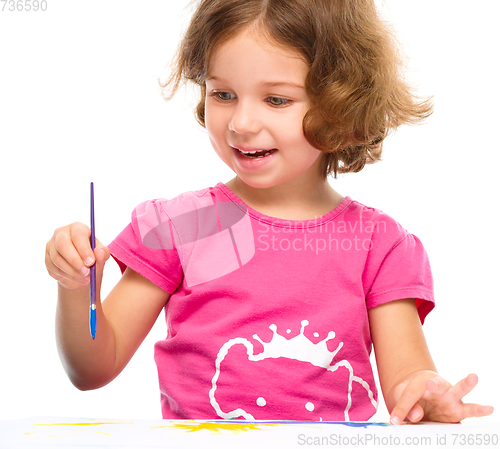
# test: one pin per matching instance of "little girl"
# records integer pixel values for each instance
(274, 285)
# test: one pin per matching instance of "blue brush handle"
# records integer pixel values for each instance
(93, 321)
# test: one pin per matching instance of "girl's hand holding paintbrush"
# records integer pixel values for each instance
(68, 259)
(124, 319)
(68, 256)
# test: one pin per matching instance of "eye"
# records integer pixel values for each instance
(277, 101)
(222, 96)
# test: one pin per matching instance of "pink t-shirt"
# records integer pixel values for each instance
(267, 318)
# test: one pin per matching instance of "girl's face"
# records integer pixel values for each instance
(255, 102)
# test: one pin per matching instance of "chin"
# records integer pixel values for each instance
(259, 182)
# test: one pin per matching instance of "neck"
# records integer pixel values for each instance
(289, 201)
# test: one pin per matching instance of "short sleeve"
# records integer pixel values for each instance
(146, 246)
(402, 272)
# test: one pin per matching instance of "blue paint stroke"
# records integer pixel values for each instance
(363, 424)
(343, 423)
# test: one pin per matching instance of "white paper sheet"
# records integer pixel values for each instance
(108, 433)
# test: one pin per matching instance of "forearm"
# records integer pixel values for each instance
(89, 363)
(400, 347)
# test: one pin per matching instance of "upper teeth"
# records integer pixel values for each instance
(254, 151)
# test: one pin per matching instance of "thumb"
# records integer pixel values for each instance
(98, 244)
(101, 255)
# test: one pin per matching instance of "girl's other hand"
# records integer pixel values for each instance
(429, 397)
(69, 256)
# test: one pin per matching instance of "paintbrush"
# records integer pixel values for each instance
(92, 268)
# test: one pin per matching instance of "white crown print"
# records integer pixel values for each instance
(298, 348)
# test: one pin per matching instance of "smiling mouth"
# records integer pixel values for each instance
(256, 153)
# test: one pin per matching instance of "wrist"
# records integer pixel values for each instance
(76, 293)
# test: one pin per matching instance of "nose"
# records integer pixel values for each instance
(245, 118)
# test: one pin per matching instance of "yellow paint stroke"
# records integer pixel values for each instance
(80, 423)
(216, 428)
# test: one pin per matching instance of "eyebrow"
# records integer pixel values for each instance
(282, 83)
(266, 83)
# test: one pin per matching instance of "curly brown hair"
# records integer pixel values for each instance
(355, 81)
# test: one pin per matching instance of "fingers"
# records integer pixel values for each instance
(107, 254)
(409, 402)
(465, 386)
(80, 238)
(416, 413)
(477, 411)
(69, 255)
(437, 385)
(70, 249)
(60, 270)
(429, 395)
(63, 270)
(100, 260)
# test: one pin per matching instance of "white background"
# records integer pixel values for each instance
(79, 102)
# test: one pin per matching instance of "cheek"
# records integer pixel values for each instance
(312, 153)
(292, 136)
(305, 155)
(291, 125)
(214, 121)
(212, 126)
